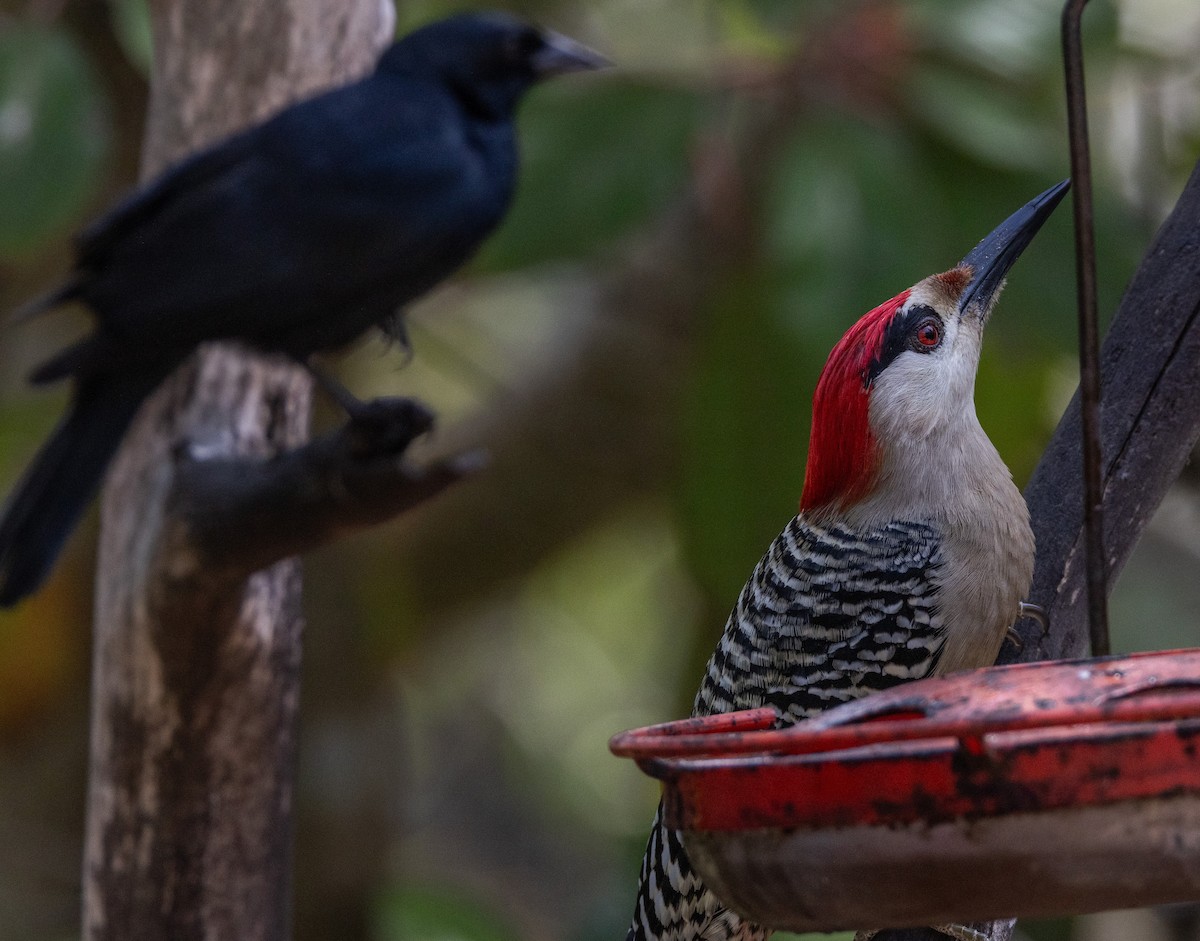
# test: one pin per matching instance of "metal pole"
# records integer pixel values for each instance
(1089, 340)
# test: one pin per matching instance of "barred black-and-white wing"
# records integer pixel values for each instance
(828, 615)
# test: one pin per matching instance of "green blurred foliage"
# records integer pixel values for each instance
(53, 135)
(734, 430)
(692, 233)
(131, 28)
(567, 126)
(437, 915)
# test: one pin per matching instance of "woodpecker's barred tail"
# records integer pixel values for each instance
(672, 902)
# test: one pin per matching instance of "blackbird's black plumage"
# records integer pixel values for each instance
(294, 236)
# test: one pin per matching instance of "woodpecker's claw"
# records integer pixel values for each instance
(1035, 612)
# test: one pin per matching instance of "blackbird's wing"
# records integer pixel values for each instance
(200, 170)
(366, 195)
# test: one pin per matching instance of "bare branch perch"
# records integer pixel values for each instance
(228, 518)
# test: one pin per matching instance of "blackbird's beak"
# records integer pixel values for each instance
(561, 54)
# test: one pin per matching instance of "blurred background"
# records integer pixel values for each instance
(637, 350)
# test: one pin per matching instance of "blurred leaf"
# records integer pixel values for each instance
(749, 33)
(41, 643)
(413, 14)
(839, 194)
(53, 135)
(634, 32)
(1009, 394)
(24, 422)
(596, 161)
(744, 436)
(40, 653)
(439, 914)
(821, 936)
(969, 115)
(1155, 599)
(131, 25)
(591, 645)
(1008, 38)
(1046, 929)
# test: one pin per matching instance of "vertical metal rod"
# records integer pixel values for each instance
(1089, 334)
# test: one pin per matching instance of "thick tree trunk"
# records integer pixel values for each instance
(196, 670)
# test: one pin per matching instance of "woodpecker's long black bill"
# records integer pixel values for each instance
(992, 258)
(562, 54)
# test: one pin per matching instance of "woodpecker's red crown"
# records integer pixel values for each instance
(906, 370)
(842, 457)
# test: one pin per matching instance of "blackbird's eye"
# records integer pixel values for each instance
(522, 46)
(928, 335)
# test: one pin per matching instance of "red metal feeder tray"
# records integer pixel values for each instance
(1030, 790)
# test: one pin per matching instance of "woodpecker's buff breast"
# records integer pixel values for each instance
(909, 557)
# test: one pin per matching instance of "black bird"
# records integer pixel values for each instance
(294, 236)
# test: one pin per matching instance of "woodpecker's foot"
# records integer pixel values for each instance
(962, 932)
(957, 932)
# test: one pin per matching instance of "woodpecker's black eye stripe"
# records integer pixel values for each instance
(899, 337)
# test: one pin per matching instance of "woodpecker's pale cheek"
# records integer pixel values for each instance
(958, 362)
(906, 399)
(921, 395)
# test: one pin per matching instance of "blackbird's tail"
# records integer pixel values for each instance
(56, 489)
(67, 291)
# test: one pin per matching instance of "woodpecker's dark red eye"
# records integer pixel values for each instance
(929, 333)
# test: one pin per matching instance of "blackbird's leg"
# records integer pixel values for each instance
(394, 327)
(346, 400)
(383, 425)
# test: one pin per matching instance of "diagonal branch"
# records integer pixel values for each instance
(228, 517)
(1149, 423)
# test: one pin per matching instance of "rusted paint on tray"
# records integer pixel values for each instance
(1025, 738)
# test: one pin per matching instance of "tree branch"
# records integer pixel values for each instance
(228, 518)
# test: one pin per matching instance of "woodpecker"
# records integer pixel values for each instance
(909, 557)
